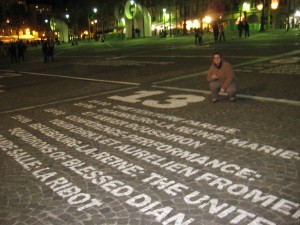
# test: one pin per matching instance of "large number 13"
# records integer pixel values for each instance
(174, 101)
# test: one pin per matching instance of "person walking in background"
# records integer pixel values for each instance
(50, 50)
(196, 31)
(21, 50)
(13, 52)
(222, 32)
(246, 28)
(216, 31)
(221, 78)
(44, 50)
(200, 36)
(240, 28)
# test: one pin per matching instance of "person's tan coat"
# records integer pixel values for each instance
(225, 74)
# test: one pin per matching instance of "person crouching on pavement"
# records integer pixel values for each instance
(221, 78)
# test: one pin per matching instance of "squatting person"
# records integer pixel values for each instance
(221, 78)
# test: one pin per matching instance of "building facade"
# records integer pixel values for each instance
(172, 16)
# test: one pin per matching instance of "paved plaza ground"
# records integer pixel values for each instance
(124, 132)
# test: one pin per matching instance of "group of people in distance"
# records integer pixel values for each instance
(48, 50)
(243, 26)
(16, 51)
(219, 31)
(198, 36)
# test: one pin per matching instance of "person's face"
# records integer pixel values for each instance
(217, 59)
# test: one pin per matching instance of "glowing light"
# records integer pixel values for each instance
(189, 24)
(260, 6)
(27, 31)
(196, 23)
(207, 19)
(274, 4)
(297, 13)
(246, 6)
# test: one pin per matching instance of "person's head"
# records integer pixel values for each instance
(217, 58)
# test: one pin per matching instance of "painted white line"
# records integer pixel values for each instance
(191, 56)
(80, 78)
(262, 59)
(182, 77)
(264, 99)
(109, 45)
(59, 53)
(82, 56)
(64, 101)
(10, 71)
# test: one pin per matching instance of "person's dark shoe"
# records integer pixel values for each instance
(215, 101)
(232, 99)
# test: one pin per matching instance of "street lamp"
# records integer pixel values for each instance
(261, 6)
(96, 32)
(164, 13)
(273, 4)
(246, 6)
(96, 21)
(170, 23)
(46, 26)
(89, 21)
(132, 10)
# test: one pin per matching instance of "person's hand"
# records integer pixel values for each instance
(214, 77)
(222, 90)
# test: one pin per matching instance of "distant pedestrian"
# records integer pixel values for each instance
(222, 32)
(50, 50)
(45, 50)
(200, 38)
(13, 52)
(246, 28)
(138, 32)
(221, 78)
(21, 50)
(216, 31)
(196, 31)
(240, 28)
